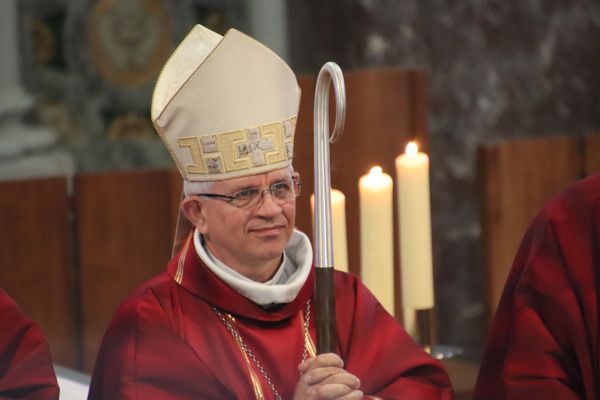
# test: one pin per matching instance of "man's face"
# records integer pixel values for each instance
(248, 239)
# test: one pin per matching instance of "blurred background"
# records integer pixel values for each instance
(77, 79)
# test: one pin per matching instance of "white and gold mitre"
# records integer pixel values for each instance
(226, 106)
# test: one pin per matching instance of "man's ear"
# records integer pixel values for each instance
(194, 210)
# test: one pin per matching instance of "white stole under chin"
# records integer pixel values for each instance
(285, 284)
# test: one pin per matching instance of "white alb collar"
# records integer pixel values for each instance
(285, 284)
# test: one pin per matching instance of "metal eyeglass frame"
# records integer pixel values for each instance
(261, 194)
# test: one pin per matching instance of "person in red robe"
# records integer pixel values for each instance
(168, 341)
(544, 341)
(232, 317)
(26, 370)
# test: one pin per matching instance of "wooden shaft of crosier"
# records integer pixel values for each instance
(325, 311)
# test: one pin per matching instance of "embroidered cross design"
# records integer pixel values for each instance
(256, 147)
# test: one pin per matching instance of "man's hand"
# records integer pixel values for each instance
(323, 377)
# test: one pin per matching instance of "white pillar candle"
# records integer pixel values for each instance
(412, 169)
(377, 235)
(338, 228)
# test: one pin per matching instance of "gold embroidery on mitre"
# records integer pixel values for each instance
(289, 149)
(239, 150)
(213, 164)
(192, 143)
(231, 143)
(274, 133)
(209, 144)
(289, 127)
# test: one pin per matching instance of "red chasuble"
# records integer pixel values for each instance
(26, 370)
(544, 339)
(173, 340)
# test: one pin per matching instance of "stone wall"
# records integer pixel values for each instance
(498, 69)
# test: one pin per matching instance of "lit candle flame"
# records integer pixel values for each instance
(412, 149)
(375, 171)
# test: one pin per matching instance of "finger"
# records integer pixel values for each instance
(354, 395)
(305, 365)
(330, 391)
(322, 360)
(330, 375)
(317, 375)
(343, 378)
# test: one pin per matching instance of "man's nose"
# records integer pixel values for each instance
(268, 205)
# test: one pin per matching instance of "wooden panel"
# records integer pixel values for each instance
(35, 261)
(176, 187)
(303, 153)
(419, 103)
(463, 376)
(517, 178)
(125, 231)
(385, 109)
(592, 153)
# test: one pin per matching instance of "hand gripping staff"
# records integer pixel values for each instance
(322, 231)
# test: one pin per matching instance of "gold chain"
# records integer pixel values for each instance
(228, 320)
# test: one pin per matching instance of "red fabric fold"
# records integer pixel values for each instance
(166, 342)
(26, 370)
(544, 339)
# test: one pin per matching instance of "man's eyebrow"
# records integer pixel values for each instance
(245, 186)
(280, 179)
(239, 188)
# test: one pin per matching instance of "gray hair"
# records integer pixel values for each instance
(190, 188)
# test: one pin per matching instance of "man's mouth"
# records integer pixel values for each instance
(267, 230)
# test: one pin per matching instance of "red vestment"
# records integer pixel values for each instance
(544, 339)
(167, 342)
(26, 370)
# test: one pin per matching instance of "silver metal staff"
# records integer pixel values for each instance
(322, 234)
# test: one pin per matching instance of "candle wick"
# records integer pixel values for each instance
(412, 149)
(375, 171)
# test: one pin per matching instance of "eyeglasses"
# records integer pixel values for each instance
(281, 193)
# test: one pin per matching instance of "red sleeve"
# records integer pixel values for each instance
(380, 353)
(143, 357)
(26, 370)
(544, 340)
